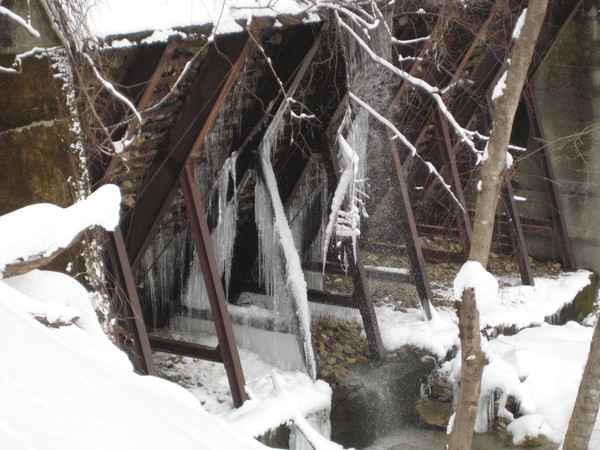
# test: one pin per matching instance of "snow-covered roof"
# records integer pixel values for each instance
(118, 17)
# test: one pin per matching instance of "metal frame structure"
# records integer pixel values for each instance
(170, 172)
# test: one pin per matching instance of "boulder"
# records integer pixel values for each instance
(433, 413)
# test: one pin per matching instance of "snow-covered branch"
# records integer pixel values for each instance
(398, 135)
(16, 65)
(122, 144)
(417, 83)
(18, 19)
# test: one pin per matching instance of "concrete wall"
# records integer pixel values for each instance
(37, 142)
(568, 103)
(14, 38)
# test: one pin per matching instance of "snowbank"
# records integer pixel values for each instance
(69, 387)
(41, 229)
(521, 306)
(542, 368)
(66, 389)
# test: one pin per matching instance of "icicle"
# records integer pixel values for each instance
(163, 266)
(305, 209)
(271, 259)
(279, 232)
(223, 237)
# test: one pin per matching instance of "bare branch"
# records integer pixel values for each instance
(407, 143)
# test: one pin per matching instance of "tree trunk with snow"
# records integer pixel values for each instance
(588, 399)
(492, 177)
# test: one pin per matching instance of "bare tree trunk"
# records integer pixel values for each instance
(588, 399)
(492, 177)
(472, 364)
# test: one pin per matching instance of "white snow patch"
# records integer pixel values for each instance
(63, 389)
(500, 86)
(115, 17)
(519, 25)
(45, 227)
(473, 275)
(437, 335)
(542, 368)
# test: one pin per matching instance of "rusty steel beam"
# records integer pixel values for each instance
(184, 348)
(464, 222)
(287, 64)
(214, 287)
(156, 76)
(362, 293)
(570, 6)
(332, 298)
(515, 228)
(372, 272)
(364, 302)
(126, 290)
(559, 229)
(291, 66)
(411, 237)
(516, 234)
(215, 78)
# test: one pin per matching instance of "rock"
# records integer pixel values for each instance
(277, 438)
(432, 412)
(583, 302)
(580, 307)
(440, 390)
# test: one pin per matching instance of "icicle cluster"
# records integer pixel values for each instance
(162, 265)
(348, 201)
(308, 207)
(223, 237)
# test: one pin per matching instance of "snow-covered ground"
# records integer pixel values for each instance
(65, 385)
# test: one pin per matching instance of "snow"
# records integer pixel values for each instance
(69, 387)
(437, 336)
(521, 306)
(46, 227)
(542, 368)
(500, 86)
(66, 389)
(473, 275)
(519, 25)
(116, 17)
(276, 396)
